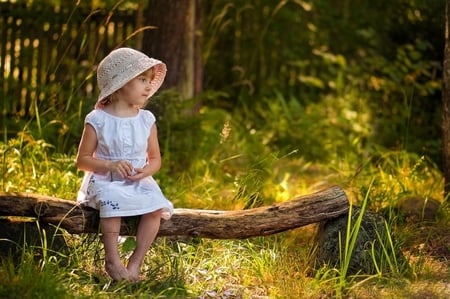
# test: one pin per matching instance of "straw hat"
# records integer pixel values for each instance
(121, 66)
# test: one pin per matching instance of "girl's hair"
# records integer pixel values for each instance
(106, 101)
(152, 73)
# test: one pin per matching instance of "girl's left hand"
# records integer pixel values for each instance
(137, 174)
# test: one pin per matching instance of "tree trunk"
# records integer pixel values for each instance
(446, 103)
(303, 210)
(176, 42)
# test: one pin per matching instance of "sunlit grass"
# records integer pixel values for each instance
(271, 267)
(29, 165)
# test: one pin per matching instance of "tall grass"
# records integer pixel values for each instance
(34, 269)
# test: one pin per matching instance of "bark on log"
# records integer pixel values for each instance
(303, 210)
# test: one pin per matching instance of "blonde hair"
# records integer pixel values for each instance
(152, 73)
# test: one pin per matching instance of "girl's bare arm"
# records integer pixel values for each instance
(153, 157)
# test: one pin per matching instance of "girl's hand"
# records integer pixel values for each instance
(122, 168)
(137, 174)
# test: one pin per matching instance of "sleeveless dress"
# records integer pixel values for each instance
(122, 139)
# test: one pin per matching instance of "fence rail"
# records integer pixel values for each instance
(48, 55)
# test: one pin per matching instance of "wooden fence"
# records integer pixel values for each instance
(48, 55)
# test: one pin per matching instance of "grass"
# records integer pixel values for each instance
(233, 169)
(275, 266)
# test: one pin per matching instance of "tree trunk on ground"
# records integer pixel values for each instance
(176, 42)
(370, 243)
(446, 103)
(303, 210)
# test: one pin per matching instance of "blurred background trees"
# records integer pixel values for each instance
(332, 79)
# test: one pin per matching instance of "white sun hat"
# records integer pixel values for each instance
(121, 66)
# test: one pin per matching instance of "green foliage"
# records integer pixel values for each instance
(31, 277)
(298, 96)
(386, 54)
(378, 59)
(275, 266)
(28, 281)
(29, 165)
(397, 175)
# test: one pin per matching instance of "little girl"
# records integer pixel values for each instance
(119, 151)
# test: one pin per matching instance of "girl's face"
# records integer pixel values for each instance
(137, 91)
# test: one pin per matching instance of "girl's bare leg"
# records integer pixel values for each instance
(146, 233)
(110, 228)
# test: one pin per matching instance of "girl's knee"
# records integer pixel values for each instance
(154, 215)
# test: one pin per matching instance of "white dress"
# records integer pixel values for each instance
(122, 139)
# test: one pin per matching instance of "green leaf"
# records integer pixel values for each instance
(129, 244)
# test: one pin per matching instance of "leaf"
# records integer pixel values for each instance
(129, 244)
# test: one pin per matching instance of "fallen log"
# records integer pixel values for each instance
(303, 210)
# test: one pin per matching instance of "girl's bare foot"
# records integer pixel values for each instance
(135, 274)
(117, 272)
